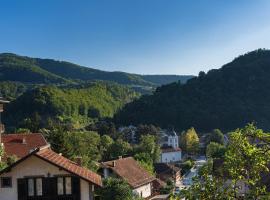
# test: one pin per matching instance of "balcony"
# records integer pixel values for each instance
(2, 128)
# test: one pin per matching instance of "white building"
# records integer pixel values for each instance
(44, 174)
(170, 151)
(169, 155)
(128, 169)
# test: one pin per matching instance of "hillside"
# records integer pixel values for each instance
(74, 105)
(224, 98)
(47, 71)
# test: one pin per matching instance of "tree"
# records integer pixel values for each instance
(149, 146)
(246, 161)
(190, 141)
(105, 144)
(215, 136)
(144, 129)
(145, 161)
(119, 148)
(215, 150)
(116, 189)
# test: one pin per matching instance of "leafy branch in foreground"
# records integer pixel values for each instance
(241, 174)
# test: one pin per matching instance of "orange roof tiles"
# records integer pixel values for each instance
(60, 161)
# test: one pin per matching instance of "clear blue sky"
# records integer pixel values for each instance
(140, 36)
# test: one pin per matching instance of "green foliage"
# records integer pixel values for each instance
(149, 146)
(215, 136)
(246, 161)
(72, 105)
(116, 189)
(48, 71)
(189, 141)
(145, 161)
(225, 98)
(186, 166)
(215, 150)
(119, 148)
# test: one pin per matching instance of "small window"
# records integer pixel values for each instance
(39, 186)
(68, 185)
(6, 182)
(31, 187)
(60, 185)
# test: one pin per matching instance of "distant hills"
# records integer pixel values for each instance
(225, 98)
(47, 71)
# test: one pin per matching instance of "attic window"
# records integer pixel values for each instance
(6, 182)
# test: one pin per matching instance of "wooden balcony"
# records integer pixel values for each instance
(2, 128)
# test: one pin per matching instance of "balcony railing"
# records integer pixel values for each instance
(2, 128)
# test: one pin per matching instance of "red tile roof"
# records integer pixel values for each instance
(48, 155)
(22, 144)
(170, 149)
(60, 161)
(129, 170)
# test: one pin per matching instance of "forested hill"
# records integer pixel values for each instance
(75, 105)
(43, 71)
(224, 98)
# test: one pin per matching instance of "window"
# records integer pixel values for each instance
(35, 187)
(60, 185)
(6, 182)
(39, 186)
(68, 185)
(64, 186)
(31, 187)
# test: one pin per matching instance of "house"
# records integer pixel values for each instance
(165, 172)
(170, 151)
(43, 174)
(128, 169)
(40, 173)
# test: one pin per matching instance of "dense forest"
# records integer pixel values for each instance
(224, 98)
(76, 105)
(47, 71)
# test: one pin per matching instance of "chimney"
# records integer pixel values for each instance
(114, 163)
(120, 157)
(78, 160)
(24, 140)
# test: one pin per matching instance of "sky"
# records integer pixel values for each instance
(137, 36)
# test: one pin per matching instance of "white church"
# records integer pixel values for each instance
(170, 147)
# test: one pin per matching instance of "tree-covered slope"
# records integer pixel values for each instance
(225, 98)
(43, 71)
(74, 104)
(23, 69)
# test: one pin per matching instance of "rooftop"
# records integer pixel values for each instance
(129, 170)
(48, 155)
(21, 145)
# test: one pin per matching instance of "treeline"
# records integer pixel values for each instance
(225, 98)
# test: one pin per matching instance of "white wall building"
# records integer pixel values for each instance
(44, 174)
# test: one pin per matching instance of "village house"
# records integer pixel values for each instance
(40, 173)
(166, 172)
(128, 169)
